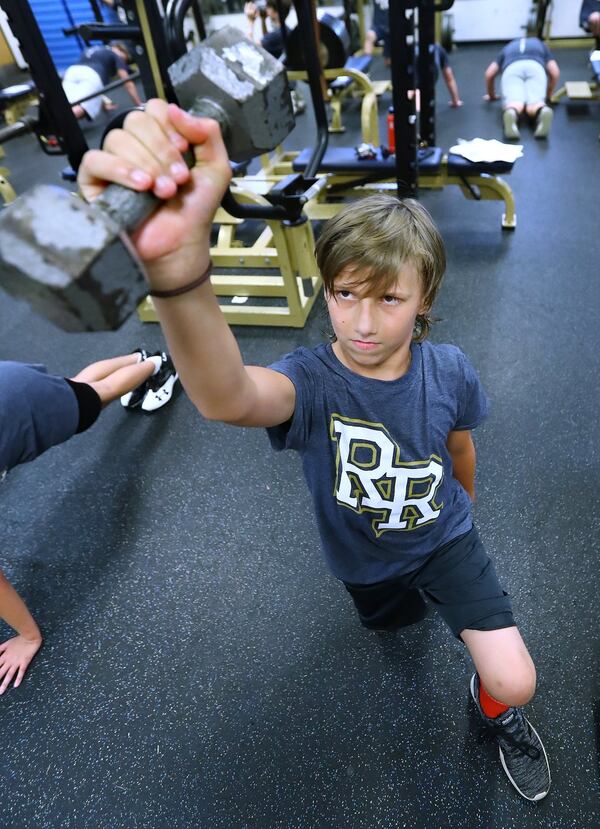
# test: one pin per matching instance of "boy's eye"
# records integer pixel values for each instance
(344, 293)
(390, 300)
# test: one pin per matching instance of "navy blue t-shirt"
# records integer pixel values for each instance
(104, 61)
(37, 411)
(273, 41)
(375, 459)
(524, 48)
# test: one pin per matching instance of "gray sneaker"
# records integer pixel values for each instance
(509, 121)
(543, 122)
(522, 754)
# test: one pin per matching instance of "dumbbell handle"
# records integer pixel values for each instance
(129, 208)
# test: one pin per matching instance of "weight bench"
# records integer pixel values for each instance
(351, 78)
(15, 100)
(352, 177)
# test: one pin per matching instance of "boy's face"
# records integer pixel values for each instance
(374, 331)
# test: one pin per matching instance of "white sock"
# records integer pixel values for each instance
(157, 364)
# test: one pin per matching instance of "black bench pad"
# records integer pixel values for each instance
(18, 90)
(344, 160)
(460, 166)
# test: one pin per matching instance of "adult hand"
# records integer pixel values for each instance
(250, 11)
(15, 656)
(146, 154)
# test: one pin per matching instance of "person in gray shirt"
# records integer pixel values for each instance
(528, 76)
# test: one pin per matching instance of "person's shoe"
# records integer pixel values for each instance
(509, 121)
(522, 754)
(159, 388)
(133, 398)
(298, 103)
(543, 122)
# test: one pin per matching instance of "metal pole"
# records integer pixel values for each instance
(54, 107)
(401, 14)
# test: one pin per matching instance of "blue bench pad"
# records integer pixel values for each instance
(344, 160)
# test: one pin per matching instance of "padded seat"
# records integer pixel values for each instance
(360, 63)
(460, 166)
(344, 160)
(12, 93)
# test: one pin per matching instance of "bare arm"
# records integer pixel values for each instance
(462, 451)
(175, 244)
(553, 73)
(490, 77)
(16, 653)
(130, 87)
(452, 87)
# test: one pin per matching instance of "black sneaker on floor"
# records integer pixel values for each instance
(522, 754)
(132, 399)
(159, 388)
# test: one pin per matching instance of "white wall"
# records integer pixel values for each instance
(505, 19)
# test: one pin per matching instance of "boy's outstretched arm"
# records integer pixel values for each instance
(16, 653)
(462, 451)
(175, 245)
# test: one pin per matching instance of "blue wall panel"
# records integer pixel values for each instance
(52, 17)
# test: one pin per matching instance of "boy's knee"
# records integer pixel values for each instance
(515, 687)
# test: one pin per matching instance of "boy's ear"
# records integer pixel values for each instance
(425, 308)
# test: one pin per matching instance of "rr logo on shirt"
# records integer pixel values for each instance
(371, 478)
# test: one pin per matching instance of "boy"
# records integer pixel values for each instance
(381, 417)
(39, 410)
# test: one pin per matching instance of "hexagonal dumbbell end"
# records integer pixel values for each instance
(69, 260)
(238, 83)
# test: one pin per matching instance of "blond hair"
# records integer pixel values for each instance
(374, 238)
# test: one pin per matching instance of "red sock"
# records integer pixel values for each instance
(490, 706)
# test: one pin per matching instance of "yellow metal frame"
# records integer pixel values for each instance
(285, 253)
(362, 86)
(482, 187)
(578, 91)
(15, 111)
(7, 192)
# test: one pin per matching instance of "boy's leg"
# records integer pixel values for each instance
(505, 680)
(461, 580)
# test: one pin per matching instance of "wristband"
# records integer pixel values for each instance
(183, 289)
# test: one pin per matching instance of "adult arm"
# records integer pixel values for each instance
(553, 73)
(129, 86)
(490, 77)
(462, 451)
(175, 245)
(16, 653)
(452, 87)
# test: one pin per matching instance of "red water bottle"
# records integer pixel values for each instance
(391, 131)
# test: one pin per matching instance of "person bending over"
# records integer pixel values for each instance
(98, 66)
(40, 410)
(381, 417)
(529, 74)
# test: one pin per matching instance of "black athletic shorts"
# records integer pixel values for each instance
(89, 404)
(458, 578)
